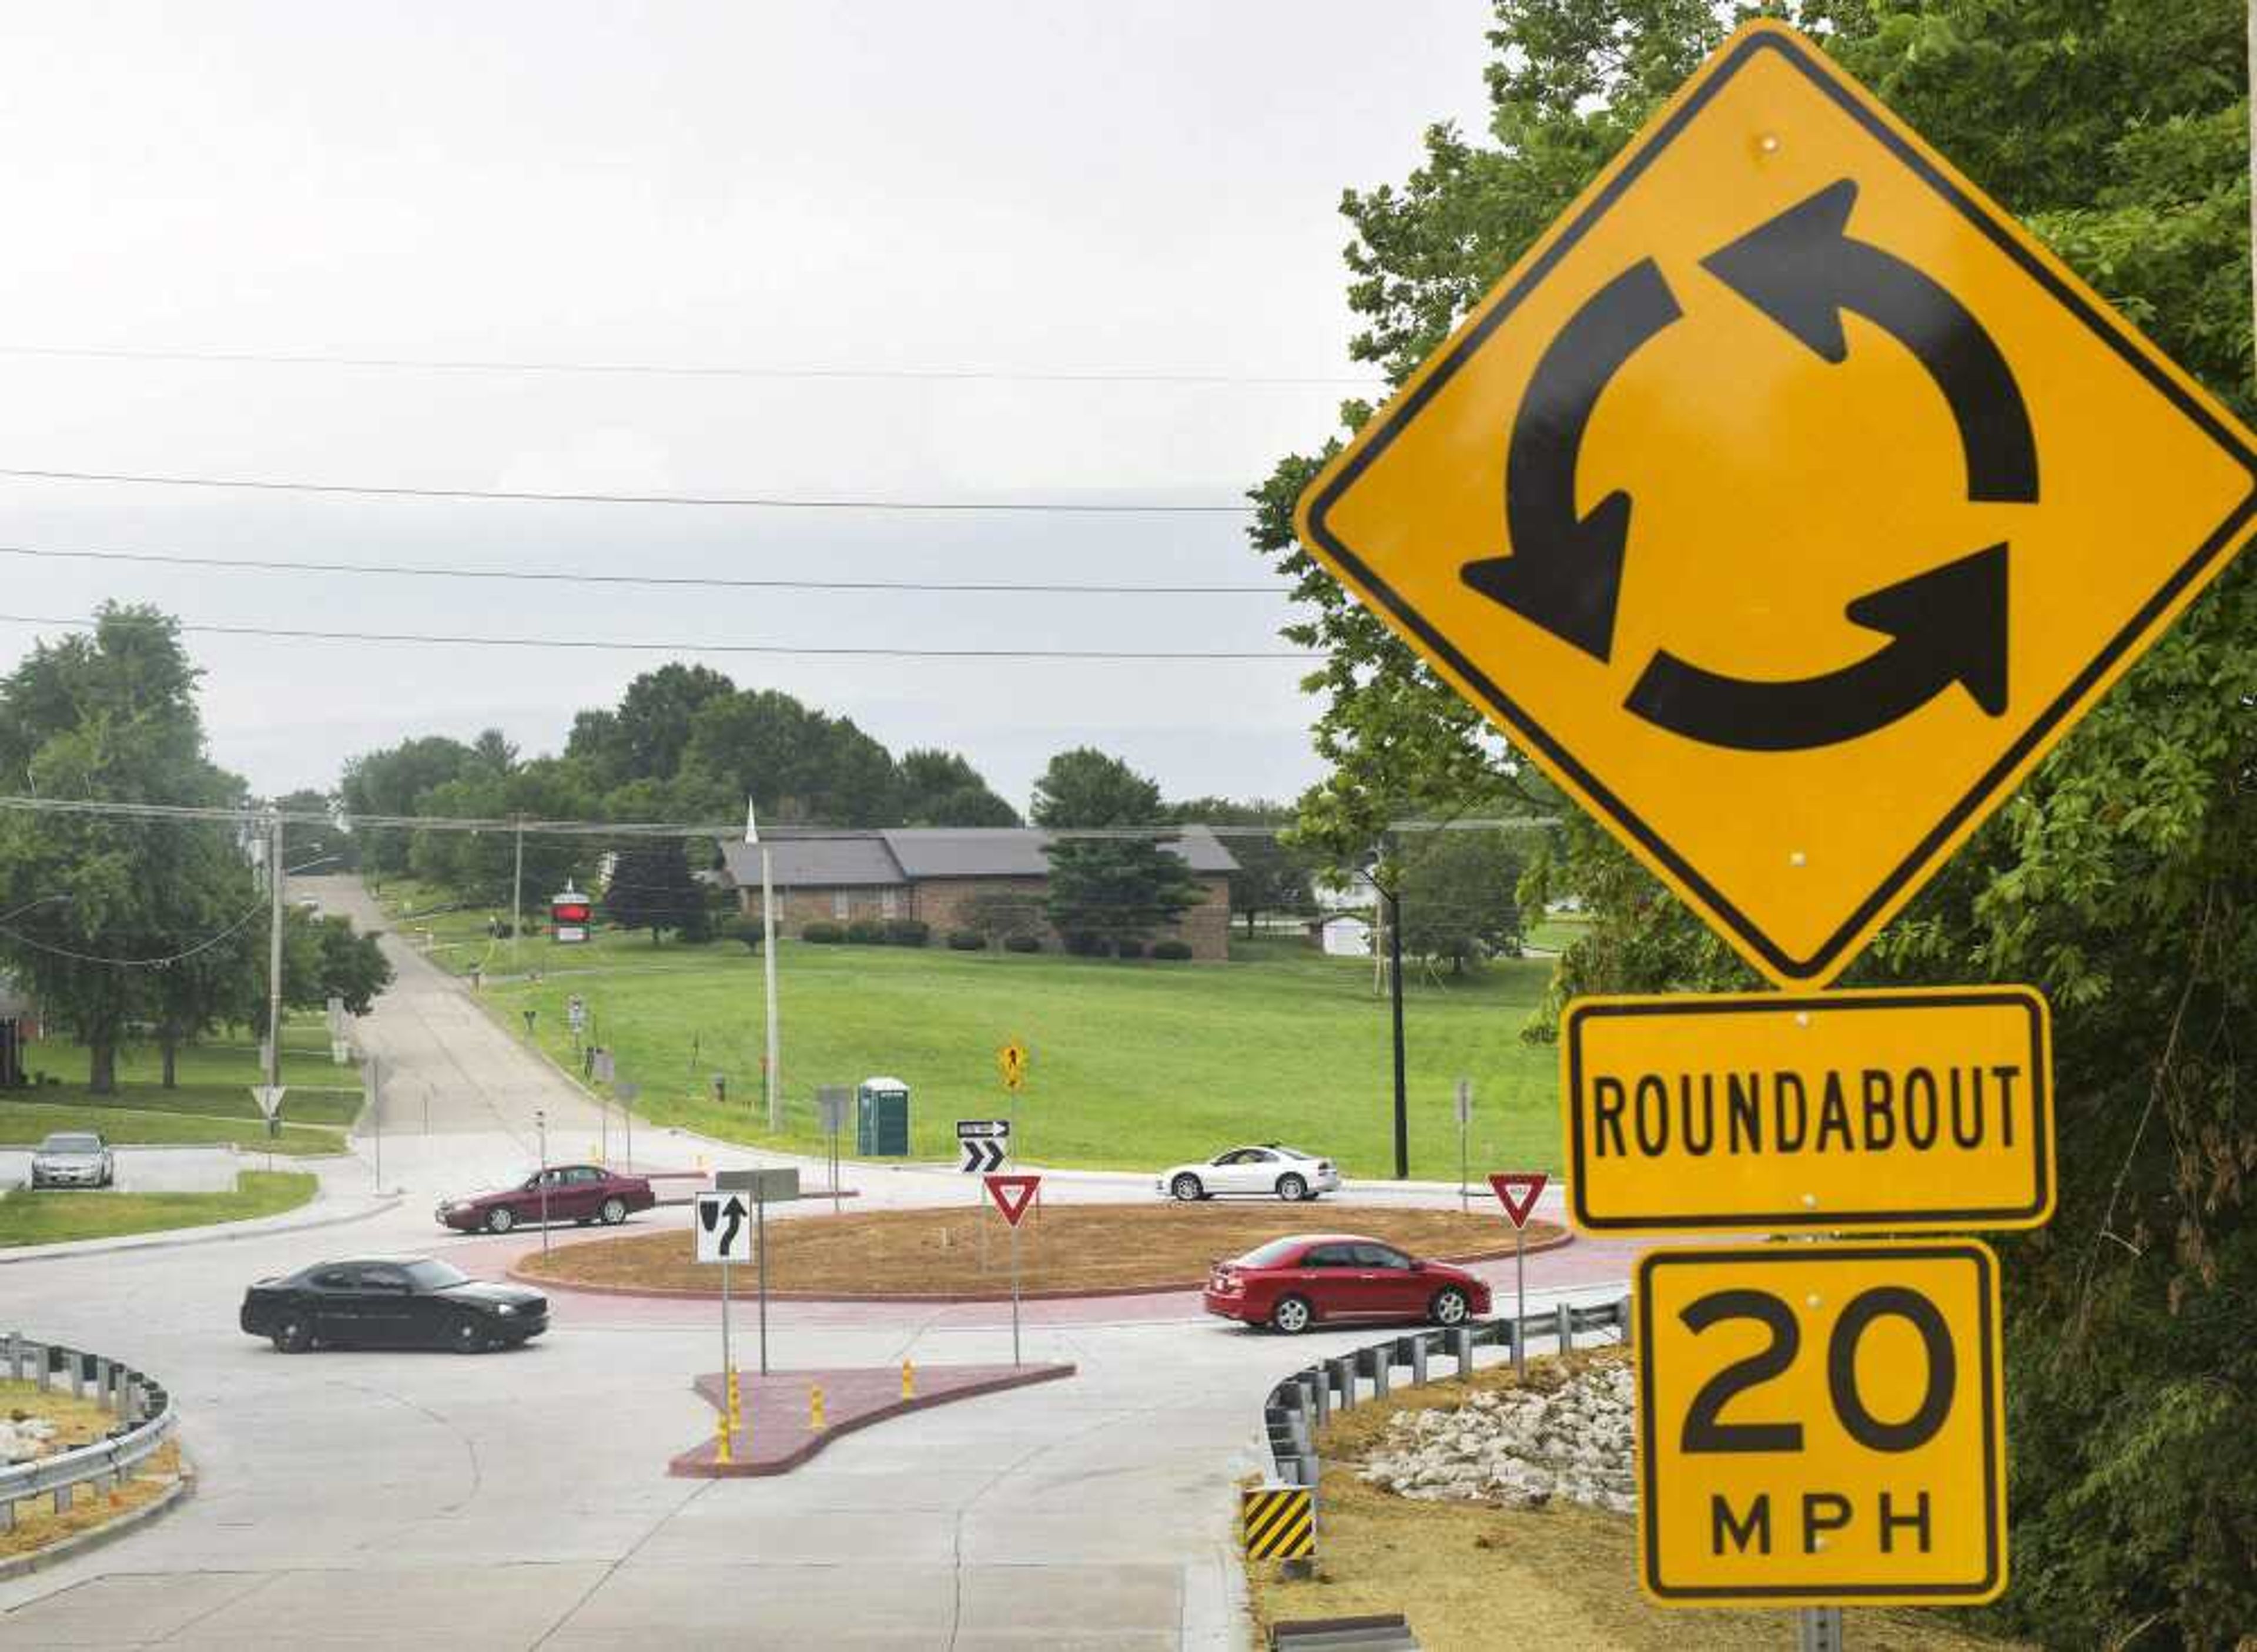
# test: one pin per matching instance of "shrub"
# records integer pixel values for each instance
(1082, 944)
(1173, 951)
(864, 932)
(1022, 943)
(746, 931)
(966, 941)
(824, 934)
(907, 932)
(1128, 950)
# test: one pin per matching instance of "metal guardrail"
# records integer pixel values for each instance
(1305, 1402)
(146, 1418)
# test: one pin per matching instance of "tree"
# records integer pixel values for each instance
(652, 726)
(650, 887)
(324, 840)
(1108, 890)
(351, 966)
(1457, 897)
(398, 781)
(2118, 879)
(112, 715)
(939, 788)
(1273, 875)
(1085, 787)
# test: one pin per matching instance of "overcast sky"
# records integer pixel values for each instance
(1060, 186)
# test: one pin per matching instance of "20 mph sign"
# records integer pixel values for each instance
(1820, 1425)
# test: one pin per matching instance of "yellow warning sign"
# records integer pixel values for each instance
(1278, 1522)
(1787, 502)
(1928, 1107)
(1821, 1424)
(1011, 1063)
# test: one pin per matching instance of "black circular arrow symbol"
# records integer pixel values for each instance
(1803, 270)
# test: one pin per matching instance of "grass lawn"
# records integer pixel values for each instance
(212, 1102)
(51, 1217)
(1557, 931)
(1566, 1574)
(456, 939)
(1134, 1065)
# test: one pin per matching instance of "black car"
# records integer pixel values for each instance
(392, 1301)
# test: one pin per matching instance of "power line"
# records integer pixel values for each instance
(204, 945)
(280, 565)
(612, 644)
(762, 502)
(654, 369)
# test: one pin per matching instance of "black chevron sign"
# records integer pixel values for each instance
(982, 1155)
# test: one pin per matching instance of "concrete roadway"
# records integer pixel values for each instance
(520, 1499)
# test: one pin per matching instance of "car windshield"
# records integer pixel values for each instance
(70, 1144)
(1293, 1153)
(436, 1275)
(1270, 1254)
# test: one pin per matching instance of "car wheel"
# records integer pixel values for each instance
(1448, 1307)
(467, 1335)
(500, 1219)
(293, 1335)
(1290, 1315)
(615, 1211)
(1292, 1188)
(1186, 1187)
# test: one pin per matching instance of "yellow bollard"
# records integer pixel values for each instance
(721, 1439)
(735, 1405)
(909, 1380)
(815, 1423)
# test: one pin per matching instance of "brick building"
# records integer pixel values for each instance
(932, 873)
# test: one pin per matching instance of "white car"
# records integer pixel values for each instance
(1275, 1172)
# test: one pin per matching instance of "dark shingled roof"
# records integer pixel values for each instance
(850, 860)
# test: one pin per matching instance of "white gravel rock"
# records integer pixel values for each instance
(1522, 1448)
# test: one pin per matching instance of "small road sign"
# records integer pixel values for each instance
(2014, 492)
(1013, 1194)
(982, 1154)
(603, 1066)
(982, 1129)
(269, 1098)
(576, 1013)
(771, 1186)
(1517, 1191)
(1277, 1523)
(1011, 1061)
(1881, 1111)
(832, 1102)
(1821, 1424)
(724, 1227)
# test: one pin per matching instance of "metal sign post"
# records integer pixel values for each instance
(830, 1103)
(765, 1186)
(1517, 1192)
(1013, 1194)
(628, 1091)
(376, 1117)
(541, 1125)
(1465, 1119)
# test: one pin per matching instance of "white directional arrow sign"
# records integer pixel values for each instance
(725, 1228)
(984, 1143)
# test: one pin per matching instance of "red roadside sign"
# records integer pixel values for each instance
(1517, 1191)
(1012, 1194)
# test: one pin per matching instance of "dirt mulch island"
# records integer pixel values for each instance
(1064, 1249)
(1473, 1576)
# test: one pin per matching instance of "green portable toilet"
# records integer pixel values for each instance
(881, 1119)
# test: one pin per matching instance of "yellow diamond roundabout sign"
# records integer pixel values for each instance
(1786, 503)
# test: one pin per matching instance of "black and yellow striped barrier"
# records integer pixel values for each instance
(1279, 1522)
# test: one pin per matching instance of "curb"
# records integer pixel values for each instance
(688, 1465)
(209, 1234)
(109, 1532)
(673, 1292)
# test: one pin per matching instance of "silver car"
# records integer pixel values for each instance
(72, 1159)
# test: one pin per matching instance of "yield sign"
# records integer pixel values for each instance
(1786, 503)
(1012, 1194)
(1517, 1191)
(269, 1098)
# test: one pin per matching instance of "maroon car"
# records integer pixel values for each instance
(1290, 1284)
(582, 1193)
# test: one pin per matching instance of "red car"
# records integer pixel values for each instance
(582, 1193)
(1290, 1283)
